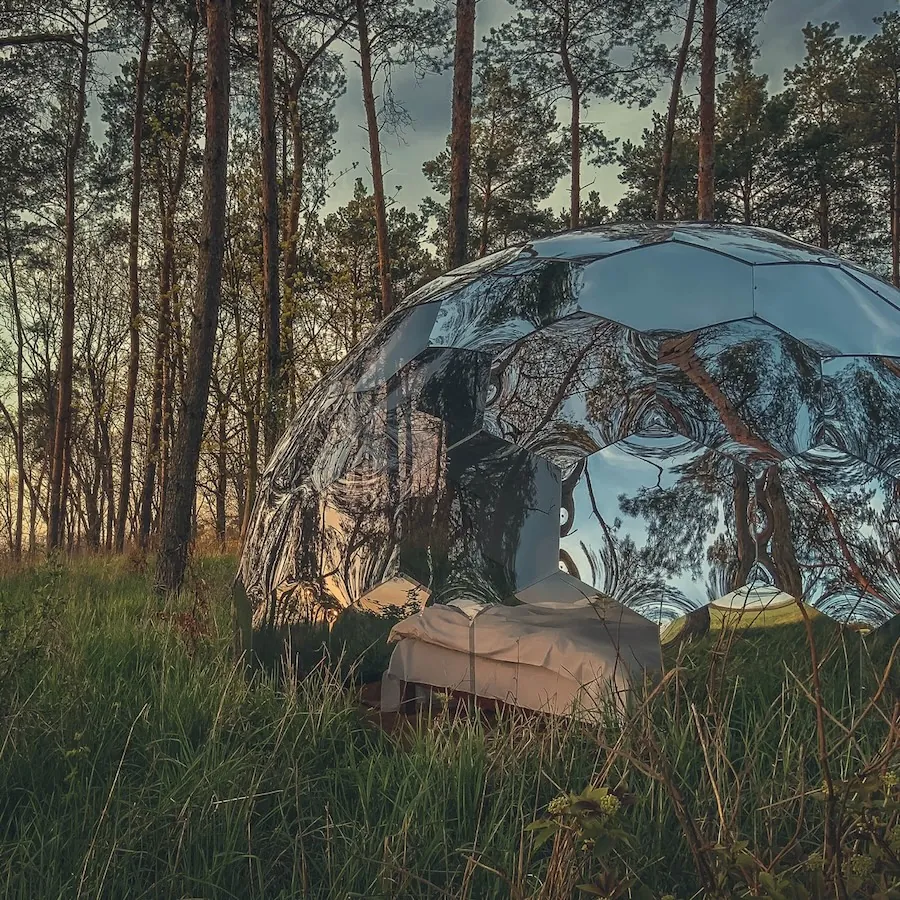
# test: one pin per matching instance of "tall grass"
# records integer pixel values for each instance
(137, 761)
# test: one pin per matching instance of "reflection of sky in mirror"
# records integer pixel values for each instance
(668, 286)
(628, 470)
(827, 309)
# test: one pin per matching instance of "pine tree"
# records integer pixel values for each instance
(879, 127)
(583, 52)
(518, 157)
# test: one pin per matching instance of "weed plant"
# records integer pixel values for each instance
(138, 761)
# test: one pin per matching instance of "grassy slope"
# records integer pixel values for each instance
(135, 762)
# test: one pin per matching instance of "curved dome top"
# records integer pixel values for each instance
(654, 277)
(666, 412)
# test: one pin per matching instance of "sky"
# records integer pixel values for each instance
(428, 102)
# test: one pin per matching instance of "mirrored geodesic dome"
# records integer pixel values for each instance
(656, 413)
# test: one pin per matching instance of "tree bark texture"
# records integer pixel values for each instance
(134, 295)
(59, 462)
(381, 226)
(222, 471)
(895, 201)
(291, 248)
(665, 165)
(268, 164)
(19, 432)
(461, 133)
(167, 207)
(181, 488)
(706, 198)
(824, 215)
(574, 124)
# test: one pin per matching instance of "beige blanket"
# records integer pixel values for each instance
(586, 641)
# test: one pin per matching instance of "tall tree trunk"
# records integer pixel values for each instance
(268, 164)
(485, 221)
(154, 438)
(706, 197)
(461, 133)
(574, 124)
(167, 208)
(895, 203)
(182, 483)
(20, 398)
(665, 164)
(134, 296)
(824, 215)
(222, 473)
(291, 248)
(59, 465)
(381, 226)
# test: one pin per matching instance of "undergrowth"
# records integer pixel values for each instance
(136, 760)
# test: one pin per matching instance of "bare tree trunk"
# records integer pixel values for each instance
(182, 484)
(134, 295)
(461, 133)
(574, 125)
(20, 399)
(706, 197)
(252, 472)
(895, 203)
(154, 438)
(665, 164)
(289, 307)
(485, 221)
(64, 394)
(222, 472)
(381, 226)
(824, 215)
(271, 299)
(167, 207)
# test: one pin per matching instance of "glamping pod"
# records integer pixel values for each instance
(660, 413)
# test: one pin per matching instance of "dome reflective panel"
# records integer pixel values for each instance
(661, 413)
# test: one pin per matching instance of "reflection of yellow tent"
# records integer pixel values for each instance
(751, 606)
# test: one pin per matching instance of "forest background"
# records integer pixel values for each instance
(197, 220)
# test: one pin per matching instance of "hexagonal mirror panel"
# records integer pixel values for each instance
(658, 414)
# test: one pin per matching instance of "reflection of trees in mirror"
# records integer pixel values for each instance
(861, 400)
(844, 520)
(685, 528)
(743, 388)
(572, 388)
(647, 515)
(508, 304)
(688, 462)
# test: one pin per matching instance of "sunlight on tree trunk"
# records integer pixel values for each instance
(134, 294)
(181, 489)
(461, 134)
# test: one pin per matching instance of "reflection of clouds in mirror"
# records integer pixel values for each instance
(664, 412)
